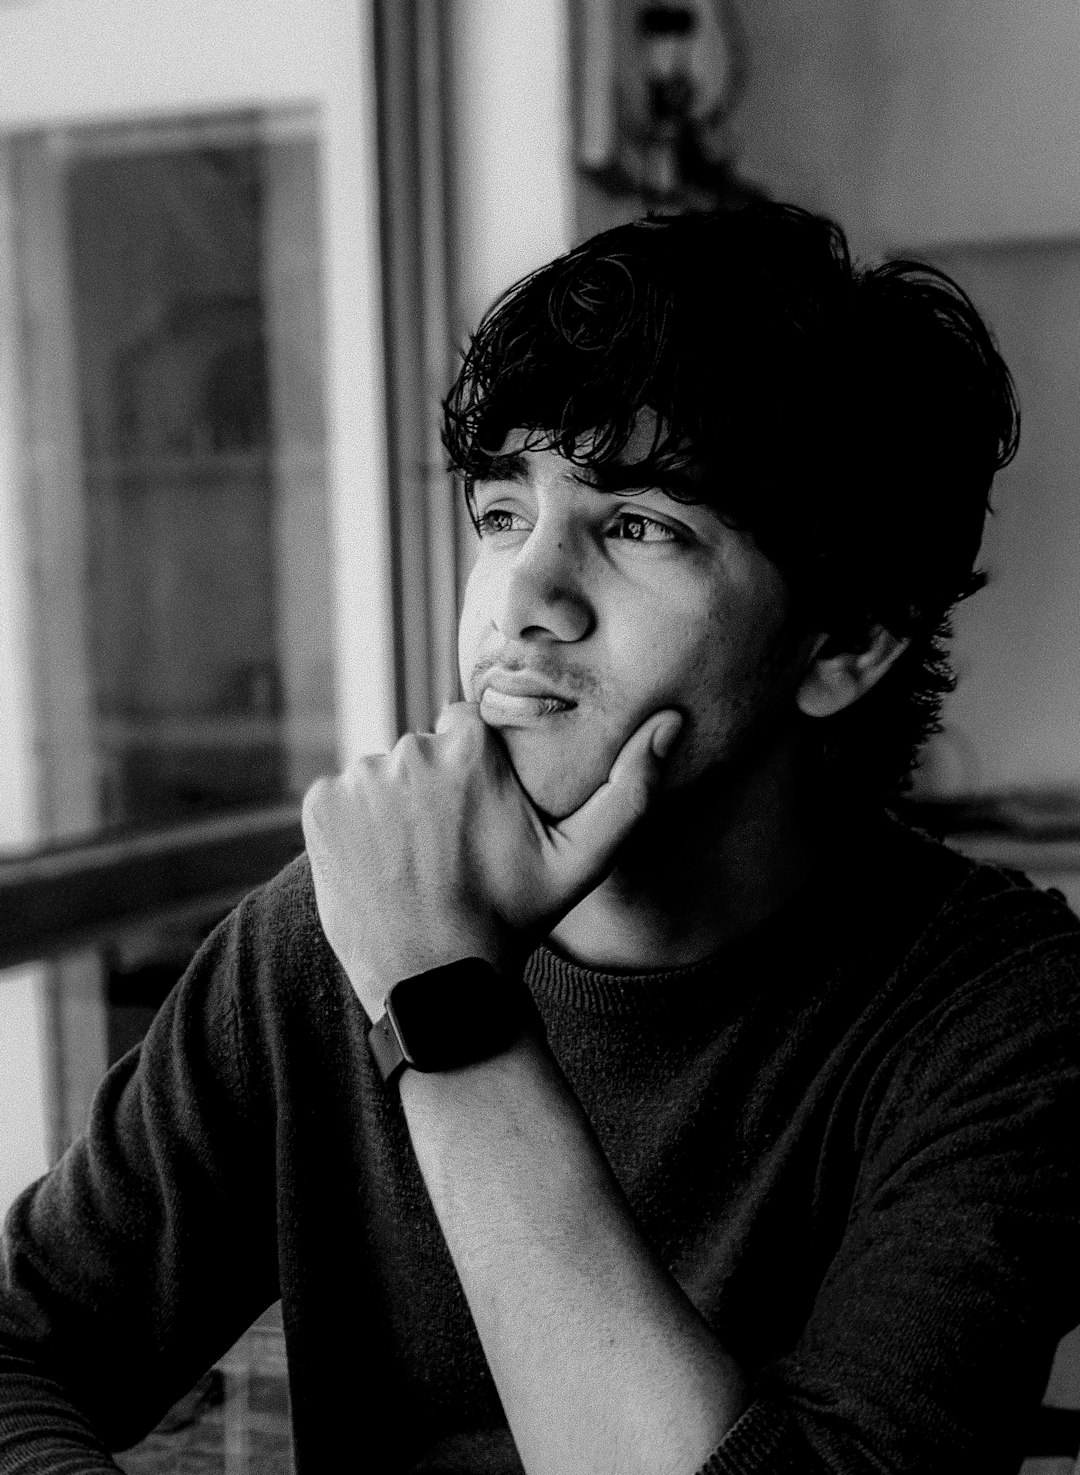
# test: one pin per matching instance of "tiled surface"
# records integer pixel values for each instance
(235, 1422)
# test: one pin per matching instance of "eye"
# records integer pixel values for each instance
(496, 520)
(635, 527)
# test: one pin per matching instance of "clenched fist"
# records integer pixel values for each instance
(435, 852)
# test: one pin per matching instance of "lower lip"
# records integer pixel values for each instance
(501, 709)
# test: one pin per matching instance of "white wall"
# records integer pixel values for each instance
(24, 1114)
(923, 121)
(512, 152)
(1015, 716)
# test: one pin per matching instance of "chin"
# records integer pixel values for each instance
(557, 779)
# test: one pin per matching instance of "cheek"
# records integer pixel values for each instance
(465, 646)
(726, 672)
(470, 627)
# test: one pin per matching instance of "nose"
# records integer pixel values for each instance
(543, 594)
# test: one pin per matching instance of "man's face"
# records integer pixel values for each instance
(589, 610)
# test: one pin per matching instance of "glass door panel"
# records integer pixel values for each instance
(184, 335)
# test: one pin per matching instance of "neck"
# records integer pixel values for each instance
(707, 864)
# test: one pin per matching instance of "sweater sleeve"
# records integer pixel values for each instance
(930, 1339)
(142, 1256)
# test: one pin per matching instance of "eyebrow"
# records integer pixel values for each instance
(502, 466)
(615, 477)
(611, 477)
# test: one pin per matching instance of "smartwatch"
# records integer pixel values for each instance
(451, 1016)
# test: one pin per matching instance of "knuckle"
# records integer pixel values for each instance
(406, 751)
(462, 728)
(455, 717)
(314, 793)
(313, 803)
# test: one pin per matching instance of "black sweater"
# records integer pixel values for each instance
(852, 1136)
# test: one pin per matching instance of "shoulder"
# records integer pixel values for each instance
(965, 911)
(983, 1009)
(281, 915)
(956, 965)
(995, 925)
(270, 953)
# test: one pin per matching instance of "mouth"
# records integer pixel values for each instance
(504, 709)
(520, 699)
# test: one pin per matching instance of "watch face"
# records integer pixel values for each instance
(427, 1011)
(455, 1015)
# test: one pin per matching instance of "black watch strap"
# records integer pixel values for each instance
(448, 1017)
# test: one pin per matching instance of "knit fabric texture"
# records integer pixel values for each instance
(851, 1137)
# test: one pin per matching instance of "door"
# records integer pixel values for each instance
(194, 590)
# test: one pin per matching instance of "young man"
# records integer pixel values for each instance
(726, 1125)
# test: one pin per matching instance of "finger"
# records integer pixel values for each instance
(592, 834)
(312, 807)
(455, 715)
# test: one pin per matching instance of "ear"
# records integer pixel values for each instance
(838, 676)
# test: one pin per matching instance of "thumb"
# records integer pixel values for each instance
(593, 833)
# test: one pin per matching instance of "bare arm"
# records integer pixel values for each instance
(601, 1362)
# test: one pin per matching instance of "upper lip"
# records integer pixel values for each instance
(523, 684)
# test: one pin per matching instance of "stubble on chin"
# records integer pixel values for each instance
(556, 773)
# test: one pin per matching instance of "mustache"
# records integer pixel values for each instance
(574, 681)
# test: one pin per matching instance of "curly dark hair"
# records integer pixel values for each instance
(851, 418)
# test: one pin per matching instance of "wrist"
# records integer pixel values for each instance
(497, 1075)
(450, 1017)
(485, 1112)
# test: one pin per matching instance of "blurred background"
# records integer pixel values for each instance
(241, 245)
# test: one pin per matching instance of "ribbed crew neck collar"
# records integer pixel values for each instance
(811, 932)
(601, 992)
(690, 986)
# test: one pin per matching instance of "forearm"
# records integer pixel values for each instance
(601, 1362)
(41, 1432)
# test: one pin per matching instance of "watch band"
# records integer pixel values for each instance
(449, 1016)
(386, 1048)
